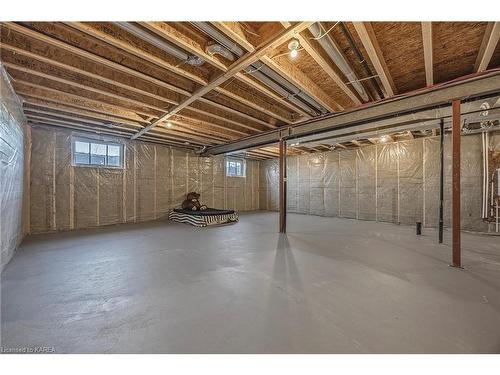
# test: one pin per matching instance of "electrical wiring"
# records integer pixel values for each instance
(326, 32)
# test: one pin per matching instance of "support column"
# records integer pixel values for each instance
(282, 186)
(441, 179)
(456, 185)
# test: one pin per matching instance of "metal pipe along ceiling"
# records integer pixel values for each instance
(331, 49)
(264, 74)
(160, 43)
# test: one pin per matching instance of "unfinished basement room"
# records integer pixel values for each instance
(250, 187)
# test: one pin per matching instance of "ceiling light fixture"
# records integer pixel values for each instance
(168, 124)
(293, 46)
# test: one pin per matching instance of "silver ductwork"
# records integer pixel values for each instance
(292, 89)
(264, 74)
(217, 49)
(338, 59)
(219, 37)
(160, 43)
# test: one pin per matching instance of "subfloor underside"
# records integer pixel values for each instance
(329, 286)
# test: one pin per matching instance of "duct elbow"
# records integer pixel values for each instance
(217, 49)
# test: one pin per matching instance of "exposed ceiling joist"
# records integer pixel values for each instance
(178, 38)
(29, 88)
(313, 48)
(232, 70)
(427, 42)
(282, 65)
(488, 45)
(78, 112)
(370, 42)
(87, 87)
(91, 56)
(233, 31)
(128, 47)
(171, 34)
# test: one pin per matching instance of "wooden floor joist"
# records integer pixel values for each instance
(125, 79)
(427, 46)
(490, 41)
(370, 42)
(232, 70)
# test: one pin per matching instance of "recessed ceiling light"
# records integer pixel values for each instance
(168, 124)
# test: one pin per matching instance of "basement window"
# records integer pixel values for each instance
(87, 152)
(235, 167)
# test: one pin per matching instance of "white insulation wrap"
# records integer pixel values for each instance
(154, 180)
(12, 144)
(394, 182)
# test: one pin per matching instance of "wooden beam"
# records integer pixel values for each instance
(86, 87)
(210, 124)
(75, 94)
(170, 33)
(456, 133)
(367, 36)
(90, 56)
(313, 48)
(233, 69)
(246, 78)
(88, 124)
(45, 93)
(488, 45)
(427, 42)
(91, 88)
(40, 103)
(173, 98)
(233, 31)
(72, 117)
(237, 113)
(282, 65)
(202, 109)
(79, 127)
(84, 128)
(162, 29)
(146, 104)
(179, 130)
(167, 31)
(166, 63)
(253, 101)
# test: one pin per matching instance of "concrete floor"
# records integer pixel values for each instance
(329, 286)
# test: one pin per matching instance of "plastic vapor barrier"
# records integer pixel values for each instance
(12, 145)
(154, 180)
(394, 182)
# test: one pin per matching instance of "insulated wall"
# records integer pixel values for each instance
(393, 182)
(155, 179)
(12, 144)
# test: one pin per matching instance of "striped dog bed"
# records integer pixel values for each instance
(210, 216)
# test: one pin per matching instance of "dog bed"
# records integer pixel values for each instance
(204, 218)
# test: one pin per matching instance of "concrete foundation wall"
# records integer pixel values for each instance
(155, 179)
(395, 182)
